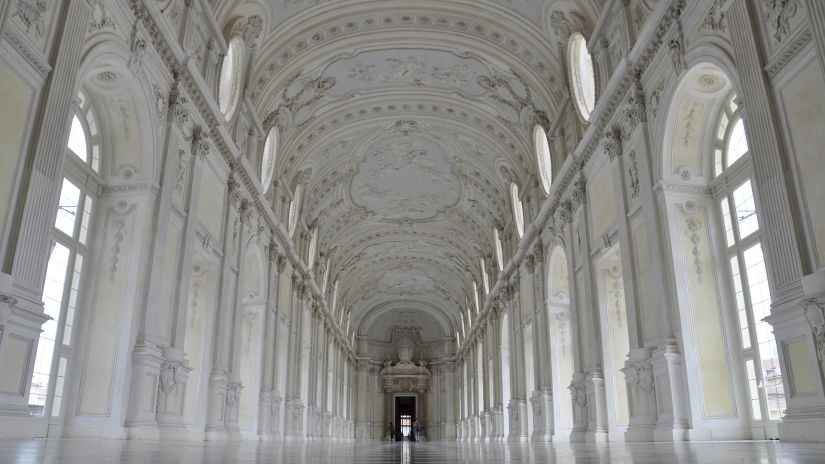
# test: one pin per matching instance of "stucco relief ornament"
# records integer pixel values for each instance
(100, 18)
(250, 29)
(579, 394)
(535, 402)
(633, 175)
(778, 15)
(716, 19)
(565, 24)
(814, 312)
(612, 144)
(168, 382)
(514, 417)
(640, 378)
(31, 13)
(579, 194)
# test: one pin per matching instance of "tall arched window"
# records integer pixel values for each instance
(231, 79)
(294, 210)
(70, 240)
(499, 250)
(743, 241)
(582, 76)
(268, 159)
(543, 158)
(518, 209)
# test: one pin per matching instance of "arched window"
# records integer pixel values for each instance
(582, 77)
(743, 242)
(543, 159)
(518, 209)
(84, 142)
(499, 250)
(268, 159)
(70, 251)
(294, 210)
(231, 78)
(485, 280)
(730, 143)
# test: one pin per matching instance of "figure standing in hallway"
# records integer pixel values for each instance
(391, 431)
(416, 429)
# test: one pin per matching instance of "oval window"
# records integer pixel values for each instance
(229, 86)
(294, 207)
(542, 147)
(268, 159)
(518, 209)
(582, 77)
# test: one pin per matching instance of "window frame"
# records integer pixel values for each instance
(725, 183)
(575, 44)
(544, 158)
(229, 108)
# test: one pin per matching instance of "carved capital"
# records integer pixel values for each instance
(612, 144)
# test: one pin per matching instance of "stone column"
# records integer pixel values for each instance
(542, 398)
(448, 427)
(21, 306)
(294, 421)
(804, 417)
(593, 375)
(362, 424)
(267, 415)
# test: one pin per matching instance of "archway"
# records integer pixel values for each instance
(720, 276)
(561, 339)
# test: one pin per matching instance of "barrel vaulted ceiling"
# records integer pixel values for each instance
(405, 122)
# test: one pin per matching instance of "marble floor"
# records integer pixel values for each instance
(87, 451)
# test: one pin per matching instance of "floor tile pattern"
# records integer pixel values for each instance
(80, 451)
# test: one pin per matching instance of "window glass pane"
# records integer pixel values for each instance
(717, 162)
(58, 386)
(52, 300)
(96, 158)
(746, 218)
(729, 237)
(543, 159)
(723, 126)
(582, 77)
(518, 211)
(268, 159)
(71, 306)
(769, 356)
(77, 139)
(67, 208)
(499, 250)
(737, 143)
(741, 309)
(753, 389)
(732, 104)
(91, 122)
(85, 218)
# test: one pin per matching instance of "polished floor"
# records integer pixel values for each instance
(77, 451)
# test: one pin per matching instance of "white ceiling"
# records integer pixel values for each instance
(405, 121)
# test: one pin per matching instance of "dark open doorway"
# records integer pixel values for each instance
(404, 416)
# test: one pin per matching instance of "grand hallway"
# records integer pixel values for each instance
(285, 231)
(85, 451)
